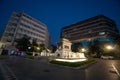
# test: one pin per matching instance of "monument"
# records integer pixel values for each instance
(64, 51)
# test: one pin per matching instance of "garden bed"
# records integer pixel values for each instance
(73, 64)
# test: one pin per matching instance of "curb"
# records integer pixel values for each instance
(82, 67)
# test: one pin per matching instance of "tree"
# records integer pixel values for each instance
(23, 43)
(76, 47)
(34, 45)
(53, 48)
(117, 46)
(97, 48)
(94, 48)
(42, 47)
(90, 48)
(117, 42)
(34, 42)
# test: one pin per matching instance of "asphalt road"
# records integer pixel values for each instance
(102, 70)
(26, 69)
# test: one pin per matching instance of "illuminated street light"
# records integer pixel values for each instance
(38, 48)
(29, 47)
(109, 47)
(83, 50)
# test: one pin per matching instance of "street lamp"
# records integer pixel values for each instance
(83, 49)
(38, 48)
(109, 47)
(29, 47)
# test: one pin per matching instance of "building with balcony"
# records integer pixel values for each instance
(98, 27)
(21, 24)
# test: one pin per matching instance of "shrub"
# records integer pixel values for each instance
(71, 64)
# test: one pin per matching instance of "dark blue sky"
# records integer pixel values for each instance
(59, 13)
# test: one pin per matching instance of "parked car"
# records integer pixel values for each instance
(16, 53)
(107, 57)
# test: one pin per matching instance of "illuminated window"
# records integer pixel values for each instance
(101, 33)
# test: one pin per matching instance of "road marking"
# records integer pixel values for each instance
(116, 70)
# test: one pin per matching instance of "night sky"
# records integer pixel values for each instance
(59, 13)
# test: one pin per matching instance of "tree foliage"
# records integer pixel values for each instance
(23, 43)
(42, 47)
(76, 47)
(53, 48)
(117, 41)
(94, 48)
(33, 45)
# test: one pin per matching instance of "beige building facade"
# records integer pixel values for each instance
(21, 24)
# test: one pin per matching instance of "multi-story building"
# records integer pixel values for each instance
(98, 27)
(21, 24)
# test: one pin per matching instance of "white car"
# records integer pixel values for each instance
(107, 57)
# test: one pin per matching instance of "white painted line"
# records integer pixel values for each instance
(116, 70)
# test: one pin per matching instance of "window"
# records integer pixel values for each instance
(101, 33)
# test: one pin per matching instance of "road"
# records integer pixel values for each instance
(102, 70)
(26, 69)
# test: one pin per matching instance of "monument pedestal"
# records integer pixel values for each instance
(64, 50)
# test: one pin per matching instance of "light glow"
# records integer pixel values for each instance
(101, 33)
(29, 47)
(38, 48)
(109, 47)
(71, 60)
(83, 50)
